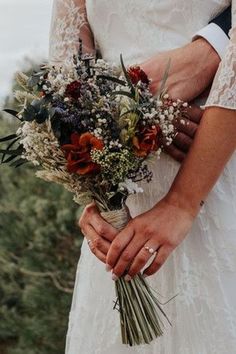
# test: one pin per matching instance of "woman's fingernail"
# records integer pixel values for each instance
(114, 277)
(127, 277)
(108, 268)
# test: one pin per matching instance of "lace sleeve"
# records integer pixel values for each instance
(223, 91)
(69, 24)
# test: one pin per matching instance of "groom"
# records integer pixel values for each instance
(192, 71)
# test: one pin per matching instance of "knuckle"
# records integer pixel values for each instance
(126, 257)
(142, 259)
(97, 242)
(101, 229)
(146, 230)
(116, 247)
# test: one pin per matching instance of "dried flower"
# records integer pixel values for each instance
(147, 140)
(78, 153)
(136, 74)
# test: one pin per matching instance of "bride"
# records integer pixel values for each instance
(196, 245)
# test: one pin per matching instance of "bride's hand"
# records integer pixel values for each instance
(97, 231)
(162, 228)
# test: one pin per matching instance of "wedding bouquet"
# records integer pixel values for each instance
(91, 127)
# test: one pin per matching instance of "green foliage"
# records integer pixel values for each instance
(39, 250)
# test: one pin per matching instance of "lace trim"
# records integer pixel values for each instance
(69, 23)
(223, 92)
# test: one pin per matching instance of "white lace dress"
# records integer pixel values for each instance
(203, 268)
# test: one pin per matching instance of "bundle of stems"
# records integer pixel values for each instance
(140, 311)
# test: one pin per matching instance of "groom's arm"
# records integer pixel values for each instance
(217, 32)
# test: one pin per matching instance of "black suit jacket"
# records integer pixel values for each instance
(224, 20)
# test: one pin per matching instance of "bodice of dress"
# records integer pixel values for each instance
(138, 29)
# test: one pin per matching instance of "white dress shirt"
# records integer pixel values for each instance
(215, 36)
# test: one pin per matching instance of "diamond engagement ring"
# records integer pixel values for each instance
(89, 241)
(149, 249)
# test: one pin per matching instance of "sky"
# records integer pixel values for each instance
(24, 32)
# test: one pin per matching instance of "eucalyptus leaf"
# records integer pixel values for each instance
(12, 152)
(9, 159)
(9, 137)
(9, 146)
(12, 113)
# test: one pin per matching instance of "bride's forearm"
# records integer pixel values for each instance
(214, 144)
(69, 25)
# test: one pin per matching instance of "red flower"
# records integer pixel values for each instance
(147, 141)
(78, 153)
(136, 74)
(73, 90)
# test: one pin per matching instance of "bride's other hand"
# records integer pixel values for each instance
(192, 69)
(97, 231)
(162, 228)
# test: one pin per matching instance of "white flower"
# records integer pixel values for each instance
(130, 186)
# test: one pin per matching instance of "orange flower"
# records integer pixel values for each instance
(147, 141)
(78, 153)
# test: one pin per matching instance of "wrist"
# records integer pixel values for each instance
(188, 204)
(207, 54)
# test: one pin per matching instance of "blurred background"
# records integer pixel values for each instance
(39, 240)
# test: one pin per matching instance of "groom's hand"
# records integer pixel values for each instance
(192, 69)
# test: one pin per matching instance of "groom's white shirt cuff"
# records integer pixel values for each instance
(215, 36)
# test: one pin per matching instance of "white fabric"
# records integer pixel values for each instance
(202, 269)
(215, 36)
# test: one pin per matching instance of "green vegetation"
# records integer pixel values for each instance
(39, 250)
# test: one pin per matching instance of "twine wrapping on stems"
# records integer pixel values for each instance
(117, 218)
